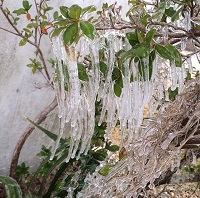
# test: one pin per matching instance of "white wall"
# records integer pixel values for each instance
(21, 92)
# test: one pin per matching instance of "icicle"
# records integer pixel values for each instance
(165, 34)
(180, 74)
(187, 20)
(174, 76)
(189, 64)
(194, 158)
(183, 43)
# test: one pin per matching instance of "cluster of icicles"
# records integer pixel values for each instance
(77, 105)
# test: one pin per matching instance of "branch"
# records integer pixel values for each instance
(169, 25)
(116, 27)
(9, 31)
(166, 177)
(39, 119)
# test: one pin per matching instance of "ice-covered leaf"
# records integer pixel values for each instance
(75, 11)
(112, 148)
(82, 72)
(170, 11)
(70, 34)
(164, 52)
(176, 54)
(64, 11)
(12, 188)
(132, 38)
(88, 9)
(142, 50)
(151, 59)
(103, 68)
(150, 35)
(88, 29)
(57, 32)
(105, 170)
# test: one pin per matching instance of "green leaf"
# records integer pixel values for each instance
(132, 38)
(23, 42)
(11, 186)
(58, 174)
(113, 148)
(48, 8)
(64, 11)
(57, 32)
(105, 5)
(82, 72)
(27, 30)
(140, 36)
(55, 15)
(170, 12)
(105, 170)
(118, 86)
(20, 11)
(150, 35)
(164, 52)
(172, 94)
(151, 59)
(32, 25)
(142, 68)
(44, 24)
(103, 68)
(65, 23)
(48, 133)
(144, 19)
(142, 50)
(26, 5)
(75, 11)
(126, 55)
(117, 89)
(176, 15)
(34, 70)
(88, 29)
(70, 34)
(176, 54)
(50, 169)
(116, 74)
(100, 154)
(88, 9)
(30, 65)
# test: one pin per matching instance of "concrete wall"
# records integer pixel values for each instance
(21, 92)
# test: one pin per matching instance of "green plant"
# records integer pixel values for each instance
(12, 188)
(55, 178)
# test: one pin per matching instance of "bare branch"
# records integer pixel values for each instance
(18, 33)
(9, 31)
(39, 119)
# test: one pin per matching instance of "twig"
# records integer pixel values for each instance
(116, 27)
(166, 177)
(9, 31)
(39, 119)
(18, 33)
(169, 25)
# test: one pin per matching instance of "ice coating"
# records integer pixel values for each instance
(77, 104)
